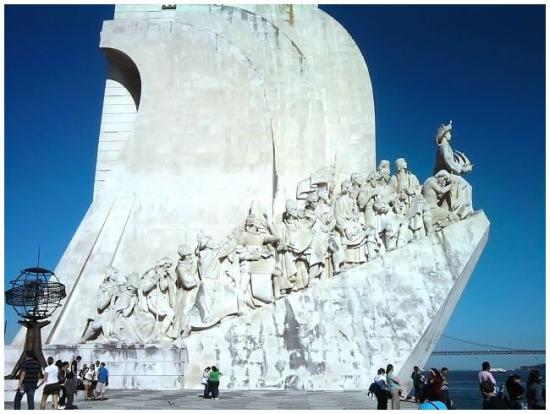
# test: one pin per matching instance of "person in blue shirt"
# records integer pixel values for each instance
(102, 382)
(430, 401)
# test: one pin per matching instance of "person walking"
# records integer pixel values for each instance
(393, 385)
(381, 393)
(204, 381)
(214, 381)
(417, 383)
(28, 379)
(52, 387)
(535, 392)
(102, 382)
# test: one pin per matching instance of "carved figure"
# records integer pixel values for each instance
(296, 242)
(124, 321)
(187, 282)
(404, 183)
(107, 291)
(326, 248)
(158, 286)
(258, 258)
(214, 300)
(436, 192)
(352, 232)
(457, 164)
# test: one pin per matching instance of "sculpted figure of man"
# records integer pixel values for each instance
(187, 282)
(296, 242)
(366, 198)
(107, 291)
(384, 196)
(258, 262)
(125, 322)
(348, 225)
(404, 183)
(155, 285)
(457, 164)
(326, 248)
(436, 192)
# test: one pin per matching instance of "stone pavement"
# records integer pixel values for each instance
(229, 400)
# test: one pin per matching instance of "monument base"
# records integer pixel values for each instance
(144, 367)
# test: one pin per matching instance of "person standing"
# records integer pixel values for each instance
(535, 392)
(214, 381)
(52, 387)
(515, 392)
(75, 365)
(485, 376)
(102, 381)
(393, 385)
(445, 388)
(28, 380)
(417, 383)
(70, 389)
(204, 381)
(491, 401)
(65, 369)
(89, 376)
(382, 391)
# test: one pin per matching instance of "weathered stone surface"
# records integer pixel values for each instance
(329, 336)
(206, 109)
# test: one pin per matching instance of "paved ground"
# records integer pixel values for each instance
(229, 400)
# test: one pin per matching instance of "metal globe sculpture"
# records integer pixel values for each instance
(35, 294)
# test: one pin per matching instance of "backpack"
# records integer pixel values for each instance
(374, 388)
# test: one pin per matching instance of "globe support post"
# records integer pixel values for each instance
(33, 343)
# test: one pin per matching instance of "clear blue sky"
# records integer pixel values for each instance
(481, 66)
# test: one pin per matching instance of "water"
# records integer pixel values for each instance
(464, 386)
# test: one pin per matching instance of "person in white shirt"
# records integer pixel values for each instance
(52, 387)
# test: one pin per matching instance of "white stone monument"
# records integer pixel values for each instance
(238, 219)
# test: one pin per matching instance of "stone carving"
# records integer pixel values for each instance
(457, 164)
(319, 236)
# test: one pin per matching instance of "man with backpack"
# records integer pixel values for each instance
(379, 388)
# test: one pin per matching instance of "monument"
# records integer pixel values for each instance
(239, 217)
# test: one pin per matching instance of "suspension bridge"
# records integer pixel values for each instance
(486, 349)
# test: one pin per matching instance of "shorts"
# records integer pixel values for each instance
(52, 389)
(100, 387)
(87, 382)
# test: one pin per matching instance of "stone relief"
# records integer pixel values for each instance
(321, 234)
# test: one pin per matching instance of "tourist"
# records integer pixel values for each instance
(431, 398)
(515, 392)
(28, 380)
(492, 401)
(89, 376)
(204, 381)
(102, 381)
(435, 382)
(81, 375)
(214, 382)
(70, 389)
(394, 388)
(75, 365)
(535, 392)
(485, 375)
(51, 378)
(94, 382)
(65, 367)
(445, 388)
(417, 383)
(381, 392)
